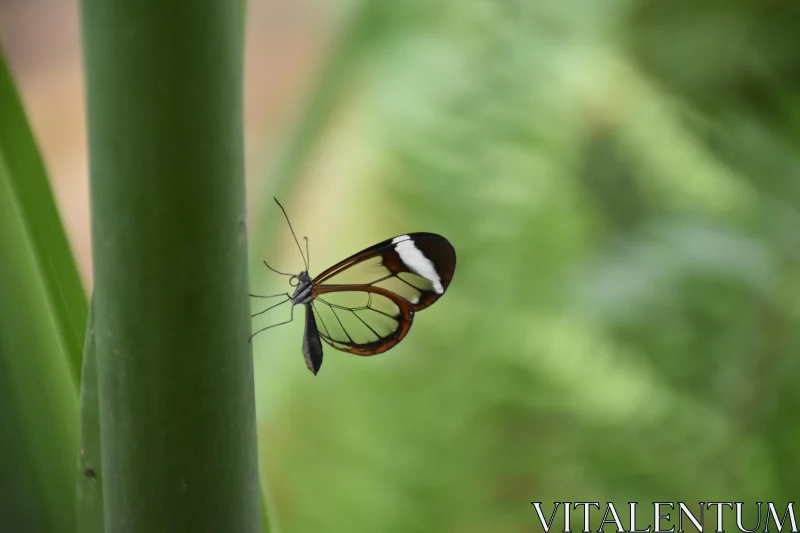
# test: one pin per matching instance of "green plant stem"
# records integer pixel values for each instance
(175, 375)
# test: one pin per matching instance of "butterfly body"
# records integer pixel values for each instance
(302, 294)
(365, 304)
(312, 345)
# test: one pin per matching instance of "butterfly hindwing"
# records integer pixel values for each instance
(361, 319)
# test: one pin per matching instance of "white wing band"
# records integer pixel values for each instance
(416, 261)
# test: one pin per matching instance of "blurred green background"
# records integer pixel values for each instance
(621, 182)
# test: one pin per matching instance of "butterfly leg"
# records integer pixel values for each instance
(288, 298)
(291, 317)
(270, 295)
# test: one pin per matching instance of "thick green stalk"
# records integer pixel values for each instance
(177, 415)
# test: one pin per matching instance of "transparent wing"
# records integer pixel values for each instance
(363, 320)
(417, 267)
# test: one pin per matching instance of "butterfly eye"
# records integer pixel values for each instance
(294, 281)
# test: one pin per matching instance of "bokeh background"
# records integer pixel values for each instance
(621, 181)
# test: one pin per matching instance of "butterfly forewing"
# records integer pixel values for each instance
(417, 267)
(363, 272)
(363, 320)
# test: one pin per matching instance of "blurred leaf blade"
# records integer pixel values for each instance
(28, 183)
(38, 398)
(42, 312)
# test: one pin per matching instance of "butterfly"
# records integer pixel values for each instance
(365, 304)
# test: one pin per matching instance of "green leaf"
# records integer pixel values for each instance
(42, 314)
(28, 184)
(39, 414)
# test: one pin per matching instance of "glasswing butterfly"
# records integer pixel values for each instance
(365, 304)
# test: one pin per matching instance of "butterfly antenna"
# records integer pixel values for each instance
(305, 261)
(308, 255)
(277, 271)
